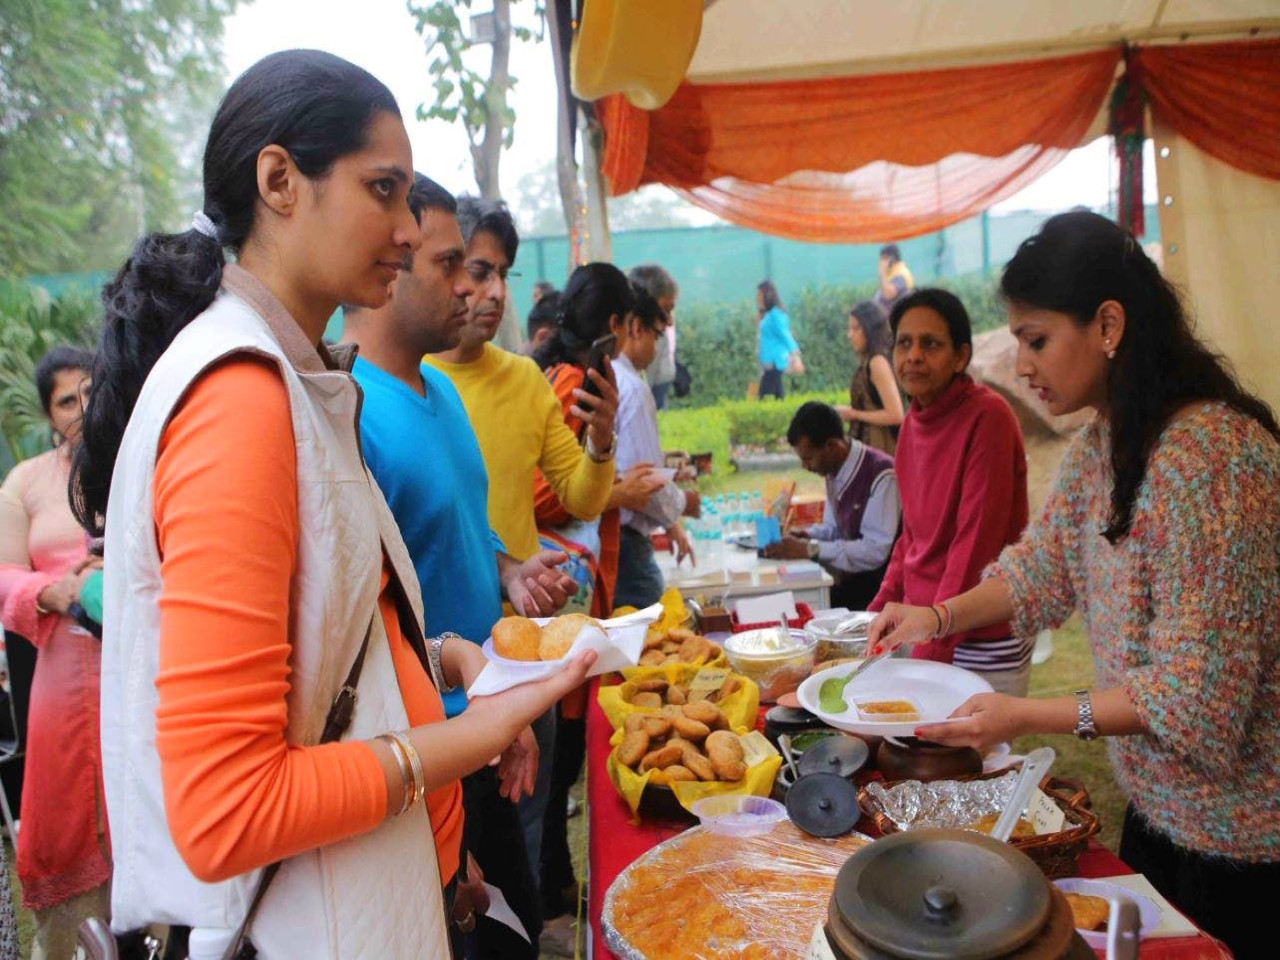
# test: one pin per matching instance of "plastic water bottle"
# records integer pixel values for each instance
(757, 505)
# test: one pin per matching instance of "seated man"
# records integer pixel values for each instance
(860, 521)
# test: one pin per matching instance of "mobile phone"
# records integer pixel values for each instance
(600, 349)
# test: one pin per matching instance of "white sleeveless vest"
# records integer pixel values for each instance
(376, 895)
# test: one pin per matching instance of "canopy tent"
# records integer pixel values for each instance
(854, 121)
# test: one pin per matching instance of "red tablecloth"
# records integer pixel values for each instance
(614, 842)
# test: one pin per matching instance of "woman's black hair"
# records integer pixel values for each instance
(316, 106)
(53, 363)
(875, 327)
(942, 302)
(544, 314)
(771, 298)
(1074, 264)
(595, 293)
(646, 308)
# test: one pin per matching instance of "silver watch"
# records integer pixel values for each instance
(602, 456)
(1085, 729)
(437, 668)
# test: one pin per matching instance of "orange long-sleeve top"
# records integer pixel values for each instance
(238, 795)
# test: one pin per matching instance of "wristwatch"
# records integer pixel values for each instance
(1085, 729)
(814, 549)
(437, 668)
(600, 456)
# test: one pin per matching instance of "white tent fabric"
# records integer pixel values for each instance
(745, 40)
(1220, 229)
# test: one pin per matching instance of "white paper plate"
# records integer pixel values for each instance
(618, 645)
(1148, 913)
(937, 688)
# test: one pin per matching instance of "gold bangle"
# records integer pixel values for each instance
(415, 763)
(406, 777)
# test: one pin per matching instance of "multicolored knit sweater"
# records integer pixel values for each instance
(1183, 614)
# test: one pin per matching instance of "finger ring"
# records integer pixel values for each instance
(467, 923)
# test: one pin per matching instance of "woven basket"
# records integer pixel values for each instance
(1056, 854)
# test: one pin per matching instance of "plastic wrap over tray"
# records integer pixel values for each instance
(704, 896)
(942, 803)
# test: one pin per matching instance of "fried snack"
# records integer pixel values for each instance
(652, 684)
(699, 764)
(683, 725)
(559, 634)
(678, 772)
(664, 756)
(653, 658)
(1023, 828)
(634, 746)
(656, 727)
(725, 752)
(1091, 913)
(692, 648)
(891, 711)
(703, 712)
(516, 638)
(633, 722)
(676, 695)
(648, 699)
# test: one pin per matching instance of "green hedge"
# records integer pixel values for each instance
(718, 429)
(717, 342)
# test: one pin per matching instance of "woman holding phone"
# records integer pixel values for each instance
(254, 570)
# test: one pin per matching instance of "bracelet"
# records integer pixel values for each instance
(415, 764)
(406, 777)
(946, 629)
(934, 610)
(602, 456)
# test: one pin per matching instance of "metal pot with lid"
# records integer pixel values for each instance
(949, 895)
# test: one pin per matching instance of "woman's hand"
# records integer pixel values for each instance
(518, 767)
(847, 413)
(462, 662)
(471, 898)
(633, 489)
(898, 624)
(58, 597)
(598, 413)
(989, 719)
(516, 708)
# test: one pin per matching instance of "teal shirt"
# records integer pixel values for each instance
(776, 342)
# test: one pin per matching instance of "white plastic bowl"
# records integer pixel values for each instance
(735, 815)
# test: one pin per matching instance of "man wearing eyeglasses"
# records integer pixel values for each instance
(520, 427)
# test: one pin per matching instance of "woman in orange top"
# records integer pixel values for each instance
(306, 173)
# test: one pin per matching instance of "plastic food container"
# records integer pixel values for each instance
(739, 816)
(778, 662)
(832, 647)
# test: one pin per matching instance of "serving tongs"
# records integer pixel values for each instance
(1034, 767)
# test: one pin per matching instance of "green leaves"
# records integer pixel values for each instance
(31, 322)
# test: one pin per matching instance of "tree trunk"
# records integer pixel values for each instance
(566, 123)
(487, 153)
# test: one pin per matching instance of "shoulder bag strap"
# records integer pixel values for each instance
(335, 725)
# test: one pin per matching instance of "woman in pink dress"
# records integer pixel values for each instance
(63, 862)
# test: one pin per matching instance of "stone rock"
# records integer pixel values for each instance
(994, 364)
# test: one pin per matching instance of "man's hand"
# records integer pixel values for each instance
(680, 545)
(788, 548)
(537, 587)
(598, 413)
(633, 489)
(471, 898)
(518, 766)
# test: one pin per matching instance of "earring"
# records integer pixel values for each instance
(1111, 354)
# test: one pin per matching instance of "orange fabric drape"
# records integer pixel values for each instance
(854, 159)
(1223, 97)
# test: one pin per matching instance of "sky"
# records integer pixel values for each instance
(379, 35)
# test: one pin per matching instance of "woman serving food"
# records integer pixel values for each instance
(1163, 531)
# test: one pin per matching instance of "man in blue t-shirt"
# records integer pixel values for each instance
(421, 449)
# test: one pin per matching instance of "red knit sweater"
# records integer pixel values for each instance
(962, 475)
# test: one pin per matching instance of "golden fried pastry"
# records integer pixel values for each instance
(652, 685)
(725, 752)
(683, 725)
(702, 711)
(647, 700)
(633, 722)
(1091, 913)
(1023, 828)
(695, 760)
(634, 745)
(559, 634)
(652, 658)
(676, 695)
(891, 711)
(662, 757)
(516, 638)
(656, 727)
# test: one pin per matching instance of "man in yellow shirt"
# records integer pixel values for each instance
(513, 409)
